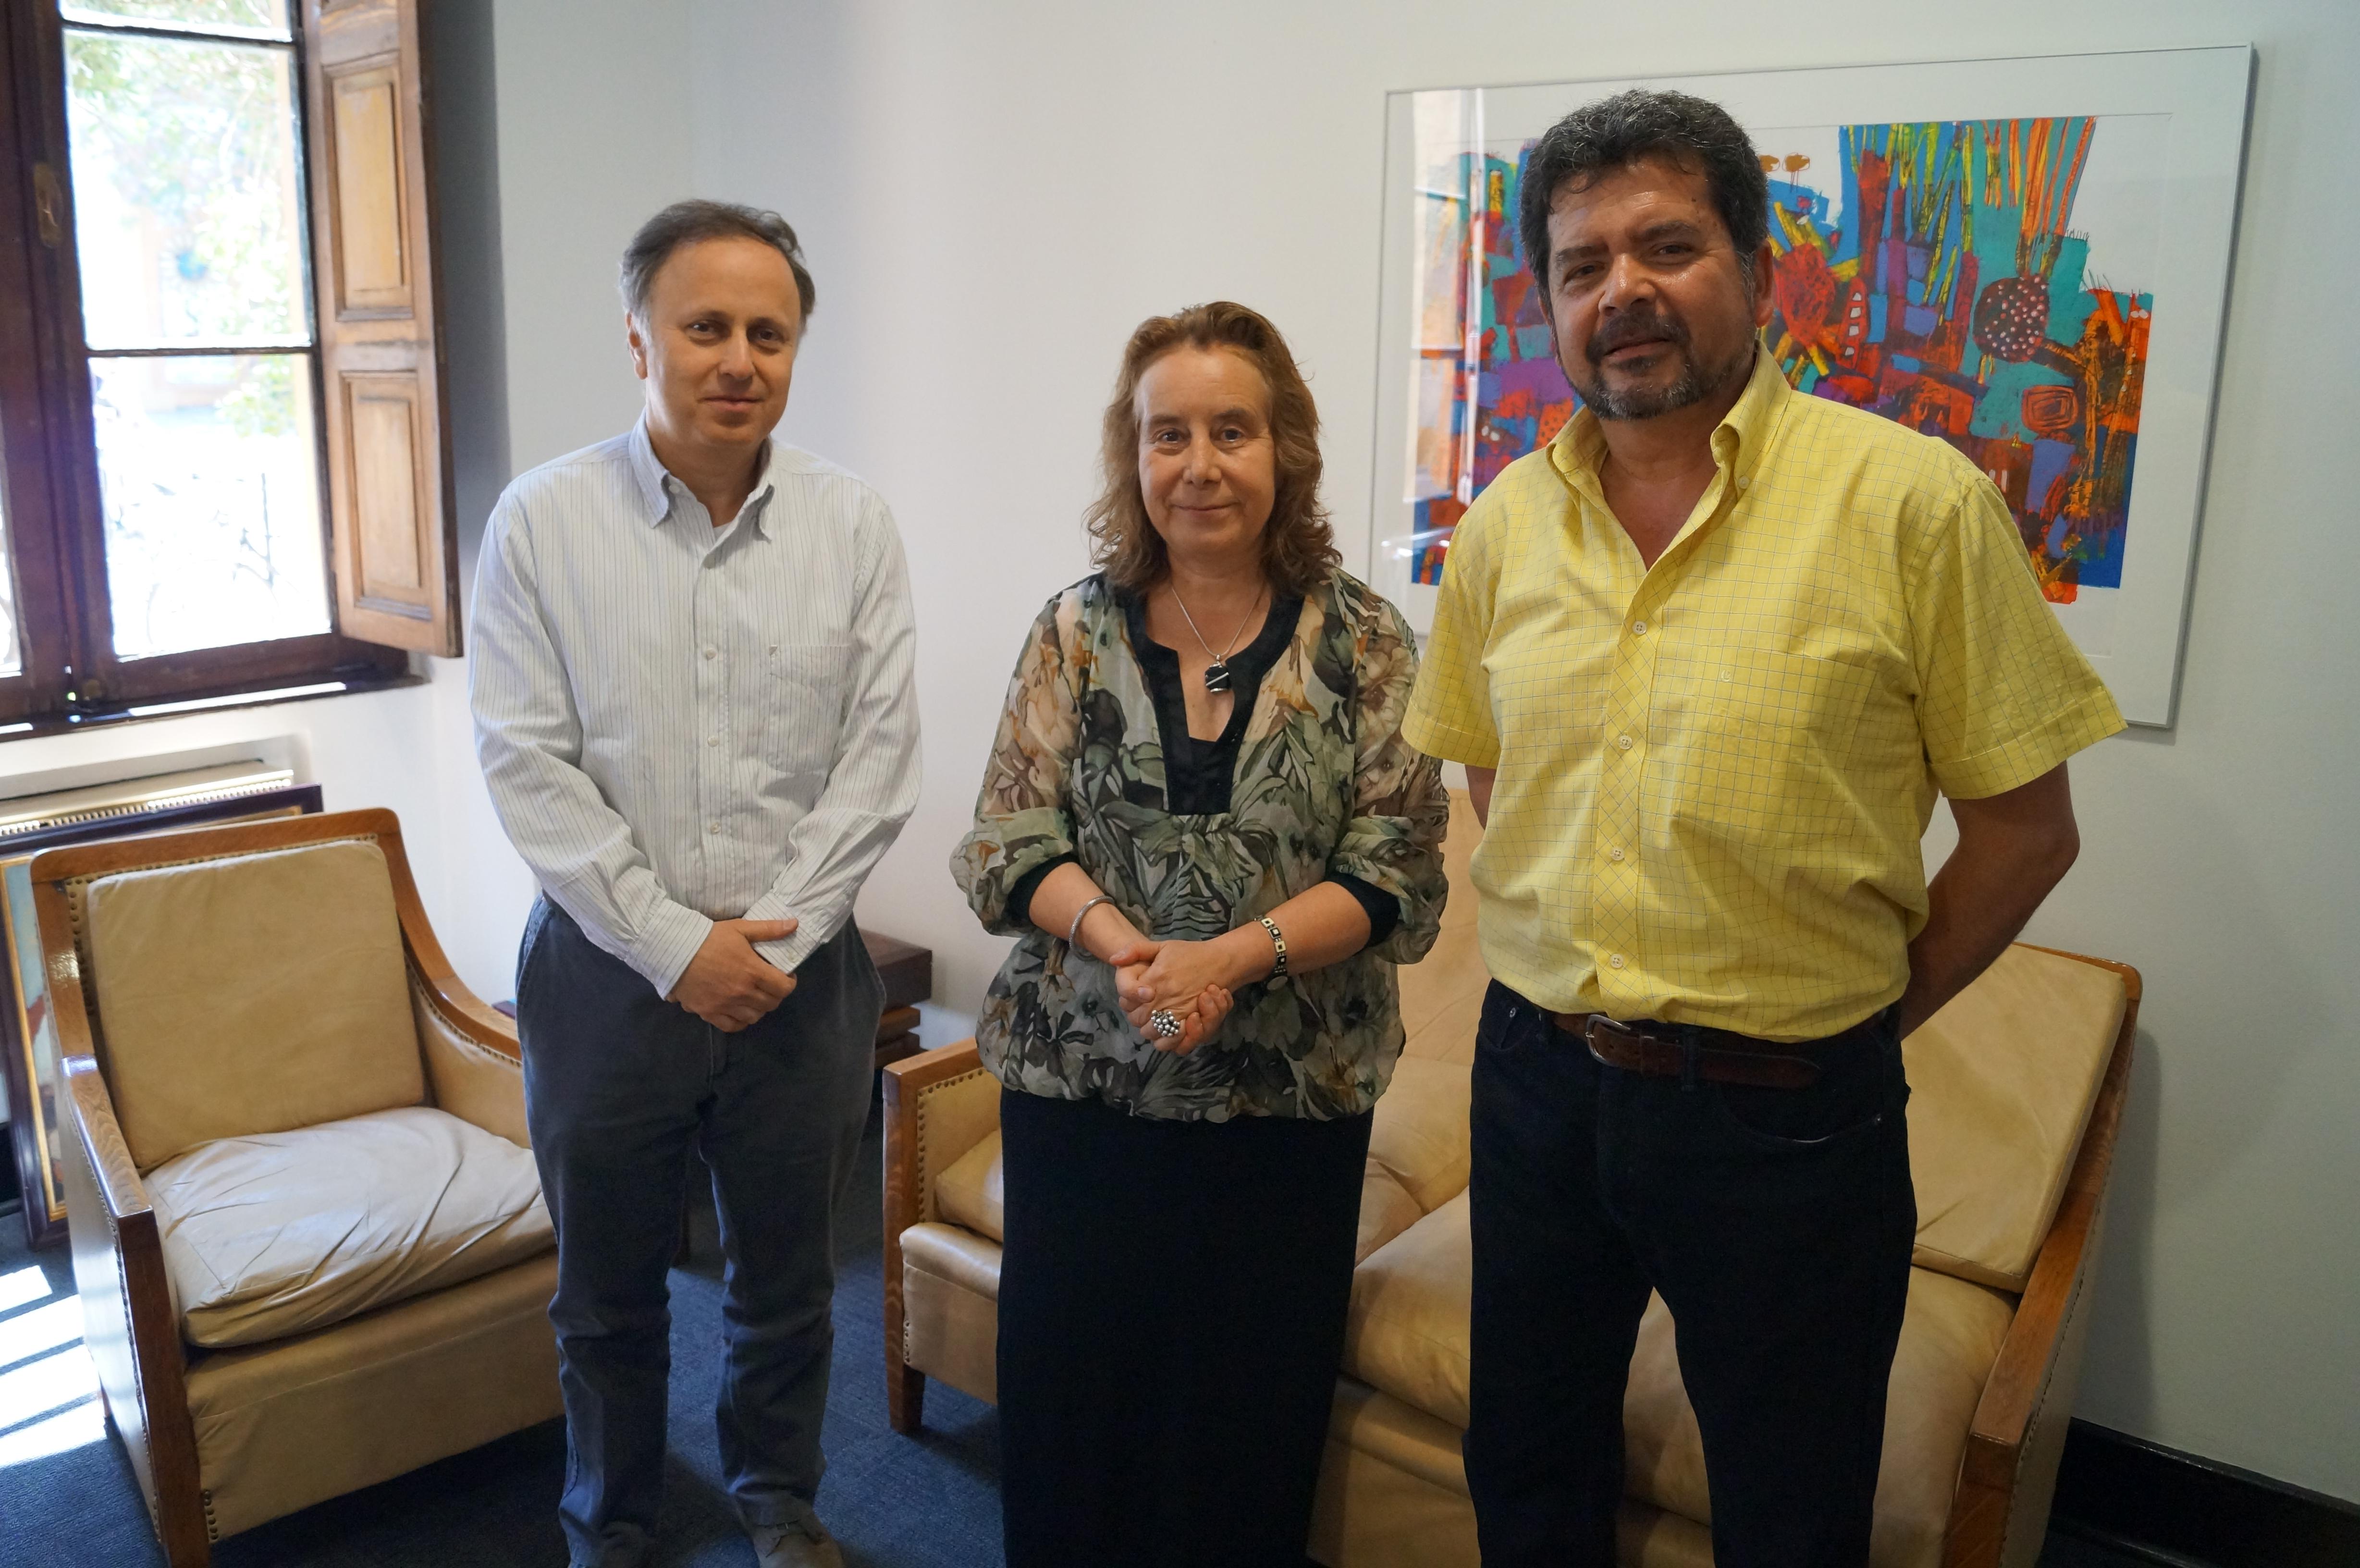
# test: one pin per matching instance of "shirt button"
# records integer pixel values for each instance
(1638, 629)
(713, 827)
(1623, 742)
(1614, 960)
(713, 740)
(1614, 854)
(712, 653)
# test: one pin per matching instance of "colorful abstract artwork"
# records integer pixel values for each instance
(2026, 257)
(1931, 273)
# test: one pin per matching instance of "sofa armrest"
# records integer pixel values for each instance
(129, 1325)
(938, 1105)
(2008, 1474)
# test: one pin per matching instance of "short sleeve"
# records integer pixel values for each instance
(1451, 711)
(1021, 821)
(2003, 694)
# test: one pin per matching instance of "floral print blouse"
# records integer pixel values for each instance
(1324, 788)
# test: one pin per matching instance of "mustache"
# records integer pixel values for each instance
(1625, 330)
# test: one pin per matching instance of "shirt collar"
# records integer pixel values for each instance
(1739, 442)
(658, 483)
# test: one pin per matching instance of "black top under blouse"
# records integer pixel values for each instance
(1198, 775)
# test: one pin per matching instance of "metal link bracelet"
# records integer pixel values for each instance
(1278, 946)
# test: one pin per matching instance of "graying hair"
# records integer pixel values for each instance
(1614, 133)
(690, 223)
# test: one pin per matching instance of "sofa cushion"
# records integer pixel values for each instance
(278, 1233)
(1417, 1149)
(1950, 1338)
(2002, 1081)
(1406, 1333)
(251, 995)
(970, 1192)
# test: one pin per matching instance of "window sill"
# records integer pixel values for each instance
(113, 715)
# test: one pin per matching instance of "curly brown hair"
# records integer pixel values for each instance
(1298, 548)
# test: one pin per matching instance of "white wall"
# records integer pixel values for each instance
(993, 196)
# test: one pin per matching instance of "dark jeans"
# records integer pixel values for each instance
(619, 1085)
(1777, 1226)
(1171, 1302)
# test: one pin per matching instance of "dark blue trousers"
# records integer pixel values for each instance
(1777, 1225)
(619, 1087)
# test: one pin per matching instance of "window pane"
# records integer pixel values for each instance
(265, 16)
(209, 470)
(188, 209)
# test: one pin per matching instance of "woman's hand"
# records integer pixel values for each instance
(1188, 979)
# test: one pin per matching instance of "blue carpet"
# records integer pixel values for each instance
(930, 1501)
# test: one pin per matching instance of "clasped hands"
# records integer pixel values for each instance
(728, 984)
(1187, 979)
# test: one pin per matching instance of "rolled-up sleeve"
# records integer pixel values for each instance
(1400, 810)
(1020, 817)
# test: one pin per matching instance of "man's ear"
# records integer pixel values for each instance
(1765, 277)
(638, 344)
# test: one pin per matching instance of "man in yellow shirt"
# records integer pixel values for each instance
(1708, 657)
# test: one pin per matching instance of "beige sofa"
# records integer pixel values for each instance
(2018, 1088)
(308, 1236)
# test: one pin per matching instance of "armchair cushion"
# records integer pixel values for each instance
(970, 1192)
(274, 1233)
(1417, 1149)
(251, 995)
(2002, 1081)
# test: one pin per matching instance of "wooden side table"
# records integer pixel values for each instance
(908, 971)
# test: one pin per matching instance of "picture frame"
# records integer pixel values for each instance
(2121, 172)
(29, 1055)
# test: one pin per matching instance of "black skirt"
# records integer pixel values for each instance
(1171, 1303)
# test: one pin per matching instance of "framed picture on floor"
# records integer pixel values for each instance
(2026, 258)
(29, 1038)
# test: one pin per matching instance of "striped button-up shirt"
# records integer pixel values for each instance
(681, 723)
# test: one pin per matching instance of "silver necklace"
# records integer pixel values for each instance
(1216, 674)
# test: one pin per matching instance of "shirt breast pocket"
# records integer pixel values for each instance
(1775, 758)
(803, 691)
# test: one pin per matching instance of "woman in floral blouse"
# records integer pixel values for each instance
(1202, 824)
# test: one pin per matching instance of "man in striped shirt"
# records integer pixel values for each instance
(692, 689)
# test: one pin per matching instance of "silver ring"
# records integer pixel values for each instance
(1161, 1022)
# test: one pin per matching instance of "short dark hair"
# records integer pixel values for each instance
(1615, 133)
(690, 223)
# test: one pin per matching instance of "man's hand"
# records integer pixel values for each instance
(728, 984)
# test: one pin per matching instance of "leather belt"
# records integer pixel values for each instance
(1730, 1058)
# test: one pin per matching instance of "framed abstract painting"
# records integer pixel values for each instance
(2026, 258)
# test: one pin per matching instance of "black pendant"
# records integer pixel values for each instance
(1216, 677)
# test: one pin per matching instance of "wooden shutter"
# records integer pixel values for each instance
(390, 487)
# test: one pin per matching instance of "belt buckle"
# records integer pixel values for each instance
(1612, 1026)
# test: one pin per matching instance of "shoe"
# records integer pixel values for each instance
(806, 1544)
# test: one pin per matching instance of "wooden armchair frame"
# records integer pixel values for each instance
(2000, 1511)
(130, 1327)
(910, 1166)
(2008, 1476)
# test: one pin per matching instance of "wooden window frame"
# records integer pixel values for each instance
(390, 553)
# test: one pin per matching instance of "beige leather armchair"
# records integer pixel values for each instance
(2018, 1087)
(307, 1235)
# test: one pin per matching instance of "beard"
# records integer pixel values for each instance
(1693, 384)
